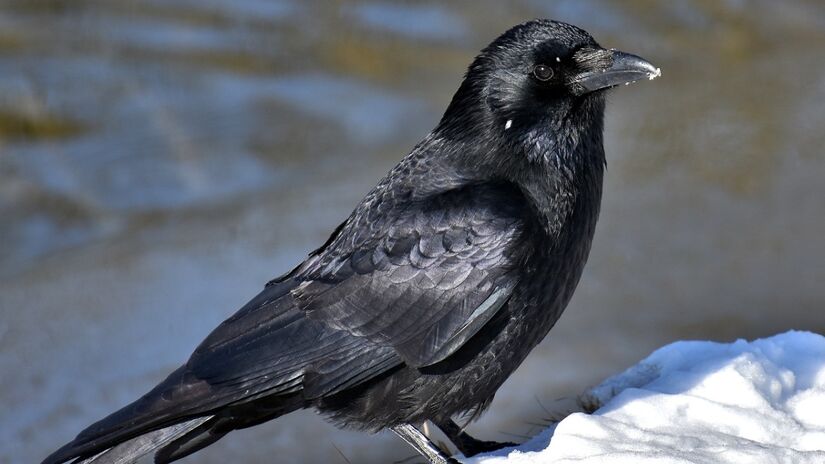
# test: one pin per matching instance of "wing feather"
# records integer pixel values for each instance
(426, 286)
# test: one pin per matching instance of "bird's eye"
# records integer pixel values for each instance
(543, 72)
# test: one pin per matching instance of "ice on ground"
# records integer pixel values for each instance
(698, 402)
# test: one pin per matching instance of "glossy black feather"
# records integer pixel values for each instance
(391, 287)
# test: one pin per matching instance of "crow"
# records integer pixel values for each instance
(437, 286)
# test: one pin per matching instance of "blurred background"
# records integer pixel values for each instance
(161, 160)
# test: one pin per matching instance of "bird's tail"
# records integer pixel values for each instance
(177, 418)
(132, 450)
(182, 439)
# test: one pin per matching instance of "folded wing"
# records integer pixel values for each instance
(426, 284)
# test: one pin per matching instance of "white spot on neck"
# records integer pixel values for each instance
(508, 124)
(558, 60)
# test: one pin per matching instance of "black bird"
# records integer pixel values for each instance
(437, 286)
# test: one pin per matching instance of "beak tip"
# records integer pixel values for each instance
(628, 62)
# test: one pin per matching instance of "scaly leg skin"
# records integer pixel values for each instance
(465, 443)
(422, 444)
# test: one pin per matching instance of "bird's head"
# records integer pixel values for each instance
(539, 88)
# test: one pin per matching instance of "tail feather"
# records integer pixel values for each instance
(195, 439)
(119, 440)
(132, 450)
(161, 409)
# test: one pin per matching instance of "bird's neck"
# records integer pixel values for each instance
(567, 198)
(563, 172)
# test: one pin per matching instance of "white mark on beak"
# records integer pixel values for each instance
(508, 124)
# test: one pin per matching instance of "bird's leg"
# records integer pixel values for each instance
(465, 443)
(422, 444)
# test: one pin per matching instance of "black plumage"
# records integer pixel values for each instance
(437, 286)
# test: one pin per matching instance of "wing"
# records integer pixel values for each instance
(424, 283)
(428, 281)
(414, 290)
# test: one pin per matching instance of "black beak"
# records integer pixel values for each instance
(608, 68)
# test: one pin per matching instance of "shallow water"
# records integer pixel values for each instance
(160, 161)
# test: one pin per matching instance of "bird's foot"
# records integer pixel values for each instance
(472, 446)
(465, 443)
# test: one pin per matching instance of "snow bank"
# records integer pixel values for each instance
(698, 402)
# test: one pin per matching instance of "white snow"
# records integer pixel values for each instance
(698, 402)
